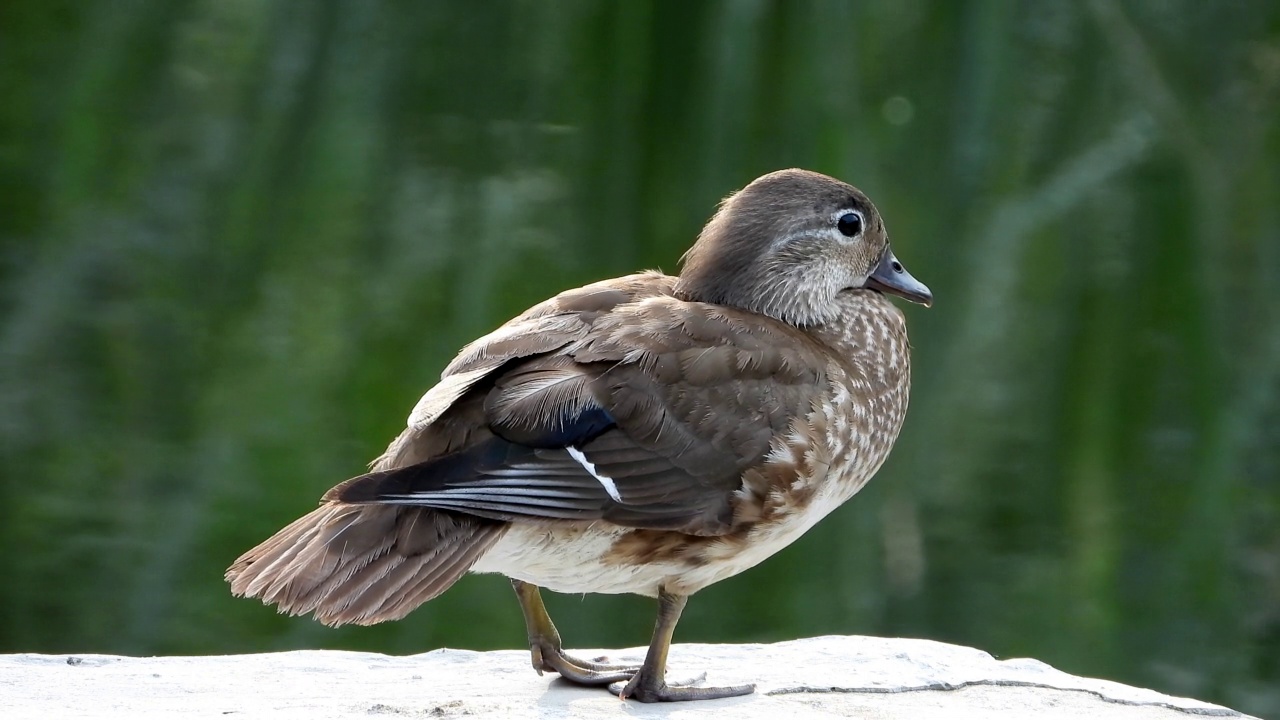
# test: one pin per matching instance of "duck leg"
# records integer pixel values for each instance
(650, 684)
(547, 651)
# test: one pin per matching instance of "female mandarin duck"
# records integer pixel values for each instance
(648, 434)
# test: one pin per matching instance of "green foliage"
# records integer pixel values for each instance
(240, 238)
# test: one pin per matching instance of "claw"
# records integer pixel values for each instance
(584, 672)
(535, 656)
(643, 689)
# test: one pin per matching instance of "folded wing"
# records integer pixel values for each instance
(644, 413)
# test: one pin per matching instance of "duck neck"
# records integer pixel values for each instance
(869, 333)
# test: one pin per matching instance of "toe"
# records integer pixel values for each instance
(646, 691)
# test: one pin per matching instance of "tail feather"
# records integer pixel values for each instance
(402, 591)
(367, 593)
(288, 568)
(359, 548)
(362, 564)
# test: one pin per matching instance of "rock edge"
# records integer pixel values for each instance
(833, 676)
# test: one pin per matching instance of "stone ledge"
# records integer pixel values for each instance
(823, 677)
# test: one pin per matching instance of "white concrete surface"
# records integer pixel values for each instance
(824, 677)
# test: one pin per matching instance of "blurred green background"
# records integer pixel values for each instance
(240, 238)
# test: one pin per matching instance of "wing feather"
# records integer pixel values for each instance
(666, 402)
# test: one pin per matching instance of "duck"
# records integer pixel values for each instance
(649, 434)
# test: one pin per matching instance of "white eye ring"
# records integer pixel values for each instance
(850, 223)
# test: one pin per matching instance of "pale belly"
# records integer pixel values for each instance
(578, 559)
(567, 559)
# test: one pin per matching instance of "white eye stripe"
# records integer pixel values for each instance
(806, 233)
(823, 232)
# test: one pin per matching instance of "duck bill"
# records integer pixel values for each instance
(892, 278)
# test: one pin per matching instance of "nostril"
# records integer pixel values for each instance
(897, 266)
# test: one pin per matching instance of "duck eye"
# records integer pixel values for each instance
(850, 224)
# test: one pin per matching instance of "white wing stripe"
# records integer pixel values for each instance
(606, 482)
